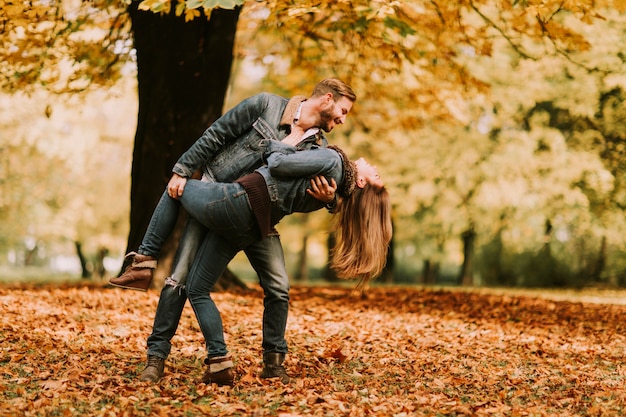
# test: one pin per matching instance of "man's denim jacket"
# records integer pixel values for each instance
(230, 147)
(288, 173)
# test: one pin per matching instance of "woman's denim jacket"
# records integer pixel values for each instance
(231, 146)
(288, 172)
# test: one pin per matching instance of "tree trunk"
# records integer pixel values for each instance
(466, 276)
(547, 238)
(492, 269)
(329, 274)
(83, 260)
(387, 273)
(183, 70)
(598, 268)
(430, 272)
(98, 268)
(302, 271)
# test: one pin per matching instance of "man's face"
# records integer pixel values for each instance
(334, 113)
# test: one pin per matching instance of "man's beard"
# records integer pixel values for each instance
(326, 116)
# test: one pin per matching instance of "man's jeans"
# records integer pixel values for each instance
(267, 259)
(173, 295)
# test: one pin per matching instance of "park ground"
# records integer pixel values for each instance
(76, 350)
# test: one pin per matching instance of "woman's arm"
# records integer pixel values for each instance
(286, 161)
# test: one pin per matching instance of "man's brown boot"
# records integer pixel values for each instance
(138, 275)
(220, 371)
(153, 370)
(273, 367)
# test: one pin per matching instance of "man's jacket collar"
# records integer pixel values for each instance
(290, 111)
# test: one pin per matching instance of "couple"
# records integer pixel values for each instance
(235, 145)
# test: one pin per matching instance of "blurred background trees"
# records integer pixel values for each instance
(496, 125)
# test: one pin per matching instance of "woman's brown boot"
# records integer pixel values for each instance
(138, 275)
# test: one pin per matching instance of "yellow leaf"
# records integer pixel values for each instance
(191, 14)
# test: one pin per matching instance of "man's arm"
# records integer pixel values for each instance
(231, 126)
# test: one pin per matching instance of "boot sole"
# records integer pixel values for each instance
(128, 287)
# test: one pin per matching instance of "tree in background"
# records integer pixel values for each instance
(554, 161)
(25, 197)
(61, 159)
(417, 65)
(413, 63)
(183, 69)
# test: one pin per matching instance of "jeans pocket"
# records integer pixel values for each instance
(233, 219)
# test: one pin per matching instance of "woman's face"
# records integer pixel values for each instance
(367, 174)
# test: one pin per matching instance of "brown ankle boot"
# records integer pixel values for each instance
(220, 371)
(153, 370)
(138, 275)
(273, 367)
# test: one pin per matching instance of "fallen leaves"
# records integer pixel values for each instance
(396, 352)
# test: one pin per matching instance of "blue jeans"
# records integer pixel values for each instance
(221, 207)
(173, 296)
(266, 257)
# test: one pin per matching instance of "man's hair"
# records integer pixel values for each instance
(336, 87)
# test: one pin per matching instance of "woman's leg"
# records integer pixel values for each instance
(138, 275)
(223, 208)
(161, 224)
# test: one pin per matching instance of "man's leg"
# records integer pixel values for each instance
(268, 260)
(172, 302)
(211, 260)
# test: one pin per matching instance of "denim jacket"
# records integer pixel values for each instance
(230, 147)
(288, 173)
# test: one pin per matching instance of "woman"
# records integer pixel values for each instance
(245, 211)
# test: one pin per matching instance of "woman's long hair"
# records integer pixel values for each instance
(363, 234)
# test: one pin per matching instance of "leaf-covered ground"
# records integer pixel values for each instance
(396, 352)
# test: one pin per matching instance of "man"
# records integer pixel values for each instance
(227, 150)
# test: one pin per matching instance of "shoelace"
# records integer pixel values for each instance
(154, 361)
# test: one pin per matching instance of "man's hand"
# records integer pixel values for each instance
(176, 186)
(322, 190)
